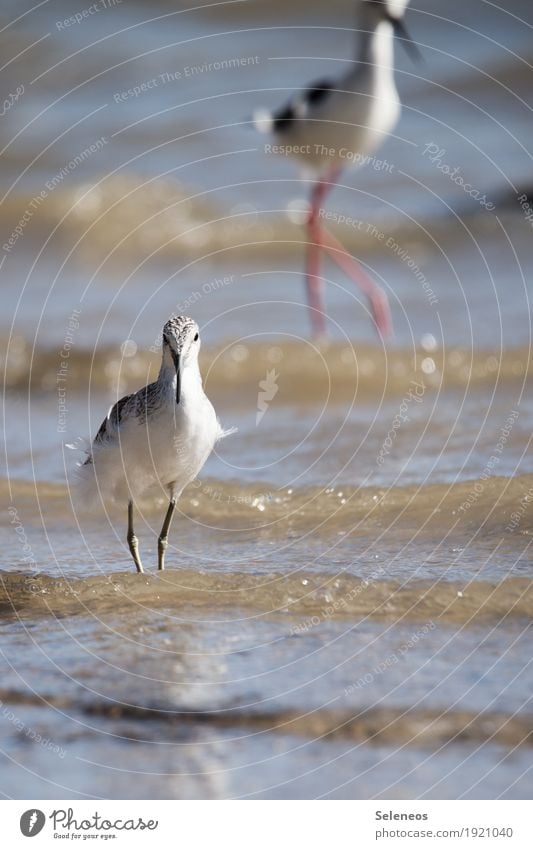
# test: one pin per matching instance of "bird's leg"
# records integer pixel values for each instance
(315, 287)
(162, 542)
(133, 542)
(313, 281)
(321, 237)
(379, 303)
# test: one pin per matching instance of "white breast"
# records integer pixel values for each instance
(178, 442)
(354, 118)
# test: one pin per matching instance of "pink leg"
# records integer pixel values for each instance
(320, 237)
(379, 303)
(315, 286)
(313, 281)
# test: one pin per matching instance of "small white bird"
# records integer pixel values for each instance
(337, 123)
(160, 436)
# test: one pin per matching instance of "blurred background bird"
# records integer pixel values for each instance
(337, 122)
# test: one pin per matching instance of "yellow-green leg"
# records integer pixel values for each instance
(162, 543)
(133, 542)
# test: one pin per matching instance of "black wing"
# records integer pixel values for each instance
(284, 118)
(317, 92)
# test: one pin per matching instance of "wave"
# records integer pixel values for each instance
(496, 506)
(126, 217)
(377, 726)
(306, 600)
(333, 371)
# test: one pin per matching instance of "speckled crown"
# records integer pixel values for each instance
(176, 328)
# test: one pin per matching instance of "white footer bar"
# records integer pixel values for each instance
(268, 824)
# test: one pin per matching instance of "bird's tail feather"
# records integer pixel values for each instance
(93, 482)
(222, 433)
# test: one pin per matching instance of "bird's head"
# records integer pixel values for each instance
(393, 11)
(181, 342)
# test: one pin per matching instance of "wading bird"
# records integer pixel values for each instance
(160, 436)
(339, 122)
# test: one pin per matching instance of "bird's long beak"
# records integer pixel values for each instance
(409, 45)
(176, 361)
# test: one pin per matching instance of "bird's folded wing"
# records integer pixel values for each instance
(111, 424)
(112, 421)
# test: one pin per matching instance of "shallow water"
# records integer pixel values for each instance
(348, 604)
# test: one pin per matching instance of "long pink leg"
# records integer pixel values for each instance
(320, 236)
(379, 303)
(313, 281)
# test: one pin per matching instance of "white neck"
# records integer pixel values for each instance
(190, 377)
(191, 380)
(375, 49)
(382, 47)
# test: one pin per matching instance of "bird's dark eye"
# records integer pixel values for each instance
(195, 337)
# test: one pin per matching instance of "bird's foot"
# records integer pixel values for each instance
(162, 546)
(133, 544)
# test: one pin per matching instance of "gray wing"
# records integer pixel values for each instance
(112, 421)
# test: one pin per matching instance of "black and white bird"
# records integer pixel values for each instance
(339, 122)
(157, 438)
